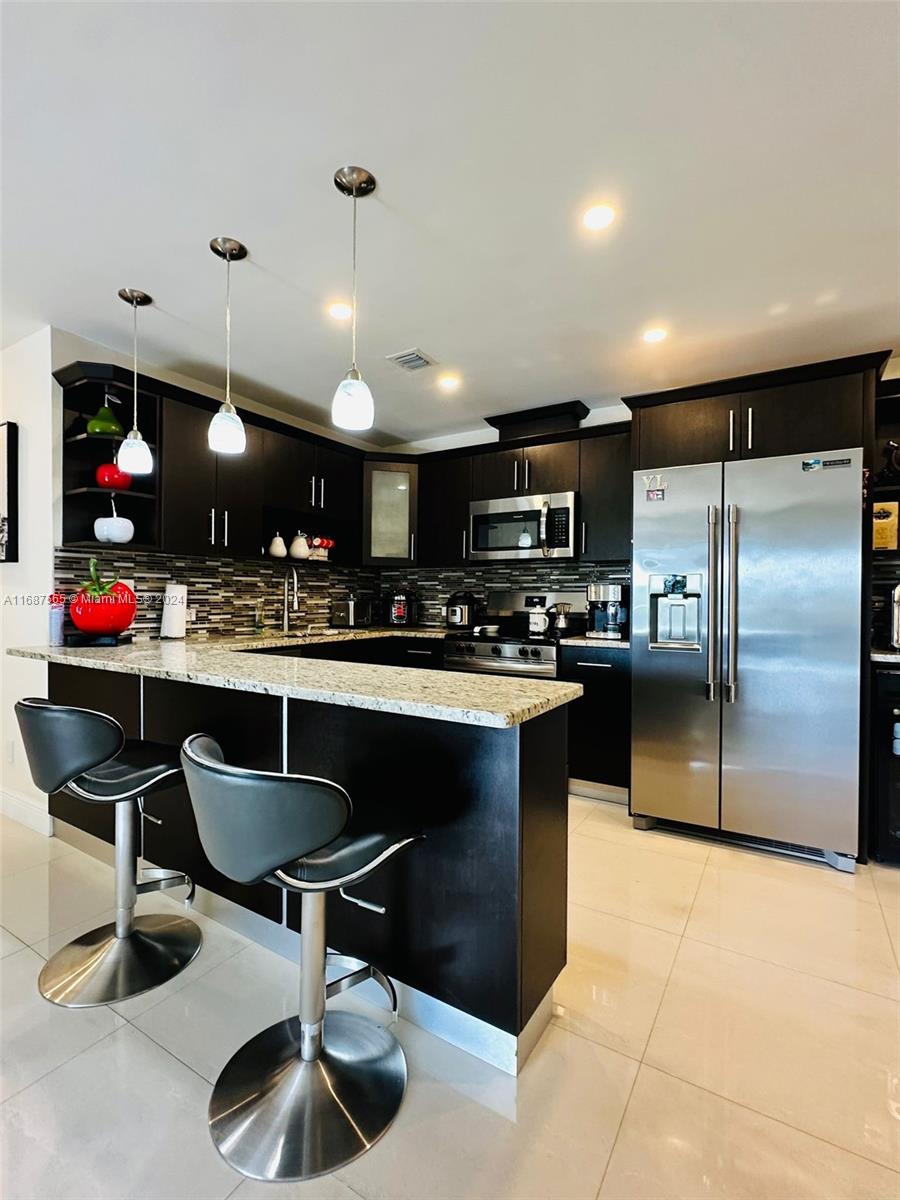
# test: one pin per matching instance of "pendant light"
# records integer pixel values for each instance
(135, 456)
(226, 434)
(353, 406)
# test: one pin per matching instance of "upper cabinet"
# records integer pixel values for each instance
(289, 481)
(390, 495)
(530, 471)
(445, 485)
(211, 503)
(803, 418)
(689, 431)
(606, 498)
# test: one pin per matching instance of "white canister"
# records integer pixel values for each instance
(174, 614)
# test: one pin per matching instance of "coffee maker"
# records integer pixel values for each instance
(607, 611)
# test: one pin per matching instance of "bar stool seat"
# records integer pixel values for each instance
(309, 1094)
(86, 754)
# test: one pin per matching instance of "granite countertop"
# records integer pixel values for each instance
(595, 643)
(456, 696)
(314, 638)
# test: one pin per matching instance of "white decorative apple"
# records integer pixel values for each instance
(113, 529)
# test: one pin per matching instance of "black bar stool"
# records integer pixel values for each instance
(86, 754)
(310, 1094)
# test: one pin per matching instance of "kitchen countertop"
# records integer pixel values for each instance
(456, 696)
(595, 643)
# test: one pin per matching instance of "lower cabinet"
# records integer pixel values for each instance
(387, 651)
(600, 722)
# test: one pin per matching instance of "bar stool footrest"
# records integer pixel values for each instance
(357, 972)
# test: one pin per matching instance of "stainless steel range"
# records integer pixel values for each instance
(520, 634)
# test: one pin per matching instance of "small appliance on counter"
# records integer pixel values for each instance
(464, 610)
(607, 611)
(402, 607)
(520, 634)
(351, 613)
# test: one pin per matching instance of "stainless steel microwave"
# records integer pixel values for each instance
(523, 527)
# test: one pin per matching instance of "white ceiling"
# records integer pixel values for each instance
(751, 149)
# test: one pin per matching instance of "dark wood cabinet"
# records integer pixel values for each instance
(497, 475)
(239, 496)
(390, 513)
(188, 481)
(212, 503)
(445, 487)
(552, 467)
(803, 418)
(338, 484)
(290, 464)
(606, 498)
(689, 431)
(600, 722)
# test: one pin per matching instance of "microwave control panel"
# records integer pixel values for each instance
(558, 527)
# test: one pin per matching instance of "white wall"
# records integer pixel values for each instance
(28, 396)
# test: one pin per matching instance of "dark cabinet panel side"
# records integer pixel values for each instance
(445, 486)
(606, 498)
(600, 722)
(690, 431)
(106, 691)
(248, 728)
(187, 481)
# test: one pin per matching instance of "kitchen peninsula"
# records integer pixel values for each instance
(474, 920)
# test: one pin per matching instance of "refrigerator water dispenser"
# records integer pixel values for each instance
(675, 612)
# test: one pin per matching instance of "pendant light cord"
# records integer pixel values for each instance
(228, 329)
(134, 308)
(353, 355)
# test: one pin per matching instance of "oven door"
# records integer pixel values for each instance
(523, 527)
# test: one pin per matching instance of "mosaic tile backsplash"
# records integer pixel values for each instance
(227, 595)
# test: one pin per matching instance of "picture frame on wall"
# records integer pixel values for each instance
(9, 492)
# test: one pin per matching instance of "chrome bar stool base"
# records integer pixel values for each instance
(100, 968)
(275, 1117)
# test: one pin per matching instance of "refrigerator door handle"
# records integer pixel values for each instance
(712, 592)
(731, 657)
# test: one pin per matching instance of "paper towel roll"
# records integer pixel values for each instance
(174, 616)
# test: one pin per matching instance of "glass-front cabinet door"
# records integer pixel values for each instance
(389, 512)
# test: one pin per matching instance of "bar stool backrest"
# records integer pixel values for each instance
(252, 822)
(62, 742)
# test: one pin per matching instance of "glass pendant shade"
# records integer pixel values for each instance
(353, 406)
(226, 434)
(134, 455)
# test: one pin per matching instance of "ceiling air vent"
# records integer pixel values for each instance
(411, 360)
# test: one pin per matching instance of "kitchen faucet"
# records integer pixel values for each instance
(285, 624)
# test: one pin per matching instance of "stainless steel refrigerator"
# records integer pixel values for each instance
(746, 639)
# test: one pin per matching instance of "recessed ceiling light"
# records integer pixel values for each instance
(828, 297)
(656, 334)
(778, 309)
(340, 311)
(449, 383)
(598, 216)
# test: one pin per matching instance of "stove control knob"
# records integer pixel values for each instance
(535, 653)
(523, 651)
(496, 651)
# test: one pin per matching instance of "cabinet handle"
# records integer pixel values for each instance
(731, 429)
(412, 546)
(225, 539)
(212, 526)
(749, 428)
(464, 546)
(322, 492)
(599, 666)
(428, 652)
(583, 537)
(527, 473)
(515, 475)
(312, 490)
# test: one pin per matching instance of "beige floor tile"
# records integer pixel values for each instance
(40, 900)
(614, 979)
(819, 930)
(612, 823)
(795, 870)
(448, 1144)
(678, 1142)
(580, 808)
(327, 1187)
(36, 1036)
(21, 847)
(9, 943)
(886, 880)
(817, 1055)
(639, 885)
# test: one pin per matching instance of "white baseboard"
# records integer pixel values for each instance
(31, 813)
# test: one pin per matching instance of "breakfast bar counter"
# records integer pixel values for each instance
(471, 921)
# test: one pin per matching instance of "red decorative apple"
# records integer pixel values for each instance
(103, 606)
(109, 476)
